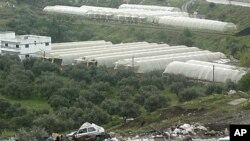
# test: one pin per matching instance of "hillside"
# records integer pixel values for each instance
(64, 28)
(35, 93)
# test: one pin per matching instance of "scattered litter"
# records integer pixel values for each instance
(237, 101)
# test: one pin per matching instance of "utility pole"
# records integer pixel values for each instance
(43, 55)
(133, 63)
(213, 73)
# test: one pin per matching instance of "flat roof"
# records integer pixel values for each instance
(27, 36)
(1, 32)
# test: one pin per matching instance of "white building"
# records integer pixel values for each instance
(23, 45)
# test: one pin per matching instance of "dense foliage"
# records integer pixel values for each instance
(76, 94)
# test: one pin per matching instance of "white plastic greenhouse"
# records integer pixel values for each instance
(245, 3)
(161, 61)
(65, 10)
(167, 16)
(68, 58)
(112, 49)
(110, 59)
(157, 47)
(149, 7)
(71, 45)
(164, 56)
(199, 24)
(212, 64)
(133, 15)
(98, 48)
(204, 72)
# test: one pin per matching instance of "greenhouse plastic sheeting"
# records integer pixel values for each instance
(192, 23)
(163, 56)
(96, 48)
(245, 3)
(77, 45)
(212, 64)
(65, 10)
(69, 58)
(157, 47)
(204, 72)
(161, 62)
(109, 60)
(149, 7)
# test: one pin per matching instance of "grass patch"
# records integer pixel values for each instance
(33, 103)
(7, 133)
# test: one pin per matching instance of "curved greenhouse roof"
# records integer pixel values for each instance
(109, 60)
(98, 47)
(78, 45)
(204, 72)
(167, 55)
(160, 63)
(245, 3)
(198, 24)
(212, 64)
(65, 10)
(69, 58)
(110, 49)
(158, 47)
(149, 7)
(145, 14)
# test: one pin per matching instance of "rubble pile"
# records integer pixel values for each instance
(194, 131)
(183, 132)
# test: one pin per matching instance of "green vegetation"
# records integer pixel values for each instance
(69, 96)
(244, 83)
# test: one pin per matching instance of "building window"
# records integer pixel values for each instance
(47, 44)
(27, 56)
(6, 45)
(27, 46)
(17, 46)
(35, 42)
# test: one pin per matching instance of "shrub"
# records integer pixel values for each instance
(155, 102)
(189, 94)
(244, 83)
(214, 88)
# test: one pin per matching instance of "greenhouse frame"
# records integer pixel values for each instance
(161, 61)
(72, 45)
(68, 58)
(205, 72)
(148, 14)
(149, 7)
(213, 64)
(231, 2)
(110, 59)
(98, 48)
(198, 24)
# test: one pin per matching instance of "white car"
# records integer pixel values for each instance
(90, 130)
(71, 135)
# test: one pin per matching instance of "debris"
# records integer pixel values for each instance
(224, 139)
(238, 101)
(211, 133)
(232, 92)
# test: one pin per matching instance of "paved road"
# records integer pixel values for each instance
(184, 7)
